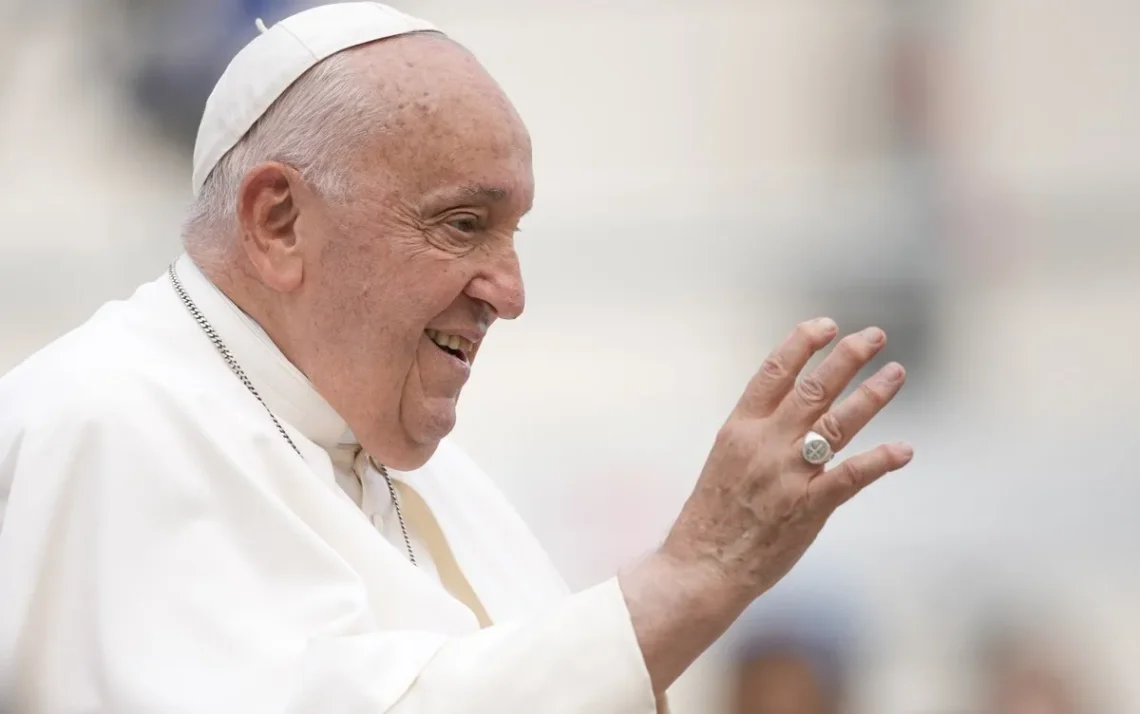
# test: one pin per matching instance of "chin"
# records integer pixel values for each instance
(421, 439)
(413, 457)
(422, 425)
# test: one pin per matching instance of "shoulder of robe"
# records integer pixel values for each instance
(106, 373)
(105, 404)
(110, 431)
(106, 433)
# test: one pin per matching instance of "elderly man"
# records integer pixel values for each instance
(232, 492)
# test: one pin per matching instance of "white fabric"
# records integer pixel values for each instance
(275, 59)
(163, 550)
(351, 470)
(368, 490)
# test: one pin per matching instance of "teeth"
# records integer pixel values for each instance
(453, 342)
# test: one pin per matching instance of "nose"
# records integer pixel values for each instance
(500, 284)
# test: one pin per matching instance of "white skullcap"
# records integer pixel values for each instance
(273, 61)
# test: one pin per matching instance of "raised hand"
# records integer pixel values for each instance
(758, 503)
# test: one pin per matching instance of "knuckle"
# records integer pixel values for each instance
(854, 349)
(774, 368)
(888, 459)
(852, 476)
(734, 437)
(872, 394)
(805, 329)
(788, 504)
(830, 428)
(811, 391)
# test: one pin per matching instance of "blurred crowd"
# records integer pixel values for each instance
(962, 173)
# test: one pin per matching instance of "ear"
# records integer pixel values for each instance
(267, 211)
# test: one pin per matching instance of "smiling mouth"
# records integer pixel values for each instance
(454, 345)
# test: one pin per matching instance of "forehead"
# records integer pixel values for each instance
(448, 125)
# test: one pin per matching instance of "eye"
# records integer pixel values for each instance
(465, 223)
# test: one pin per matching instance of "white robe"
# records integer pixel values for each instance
(162, 549)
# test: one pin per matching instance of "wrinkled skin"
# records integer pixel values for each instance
(425, 242)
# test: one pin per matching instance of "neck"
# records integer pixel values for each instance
(236, 280)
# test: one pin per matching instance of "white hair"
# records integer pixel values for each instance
(314, 126)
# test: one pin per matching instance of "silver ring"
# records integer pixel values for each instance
(816, 450)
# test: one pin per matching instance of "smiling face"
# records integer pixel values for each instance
(383, 299)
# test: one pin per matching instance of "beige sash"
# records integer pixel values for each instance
(423, 524)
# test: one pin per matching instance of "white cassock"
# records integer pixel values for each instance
(163, 549)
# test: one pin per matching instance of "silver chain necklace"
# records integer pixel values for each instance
(240, 374)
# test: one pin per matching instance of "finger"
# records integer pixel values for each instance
(815, 392)
(834, 487)
(778, 373)
(848, 418)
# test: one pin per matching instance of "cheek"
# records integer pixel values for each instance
(433, 288)
(391, 316)
(385, 294)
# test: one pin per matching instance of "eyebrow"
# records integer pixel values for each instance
(476, 193)
(485, 193)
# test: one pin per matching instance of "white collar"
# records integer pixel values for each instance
(287, 392)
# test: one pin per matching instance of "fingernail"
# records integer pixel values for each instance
(904, 450)
(893, 372)
(826, 324)
(874, 335)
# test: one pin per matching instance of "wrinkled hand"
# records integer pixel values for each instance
(758, 504)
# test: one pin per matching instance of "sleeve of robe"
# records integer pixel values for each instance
(168, 581)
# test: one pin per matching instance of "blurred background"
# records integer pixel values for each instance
(963, 173)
